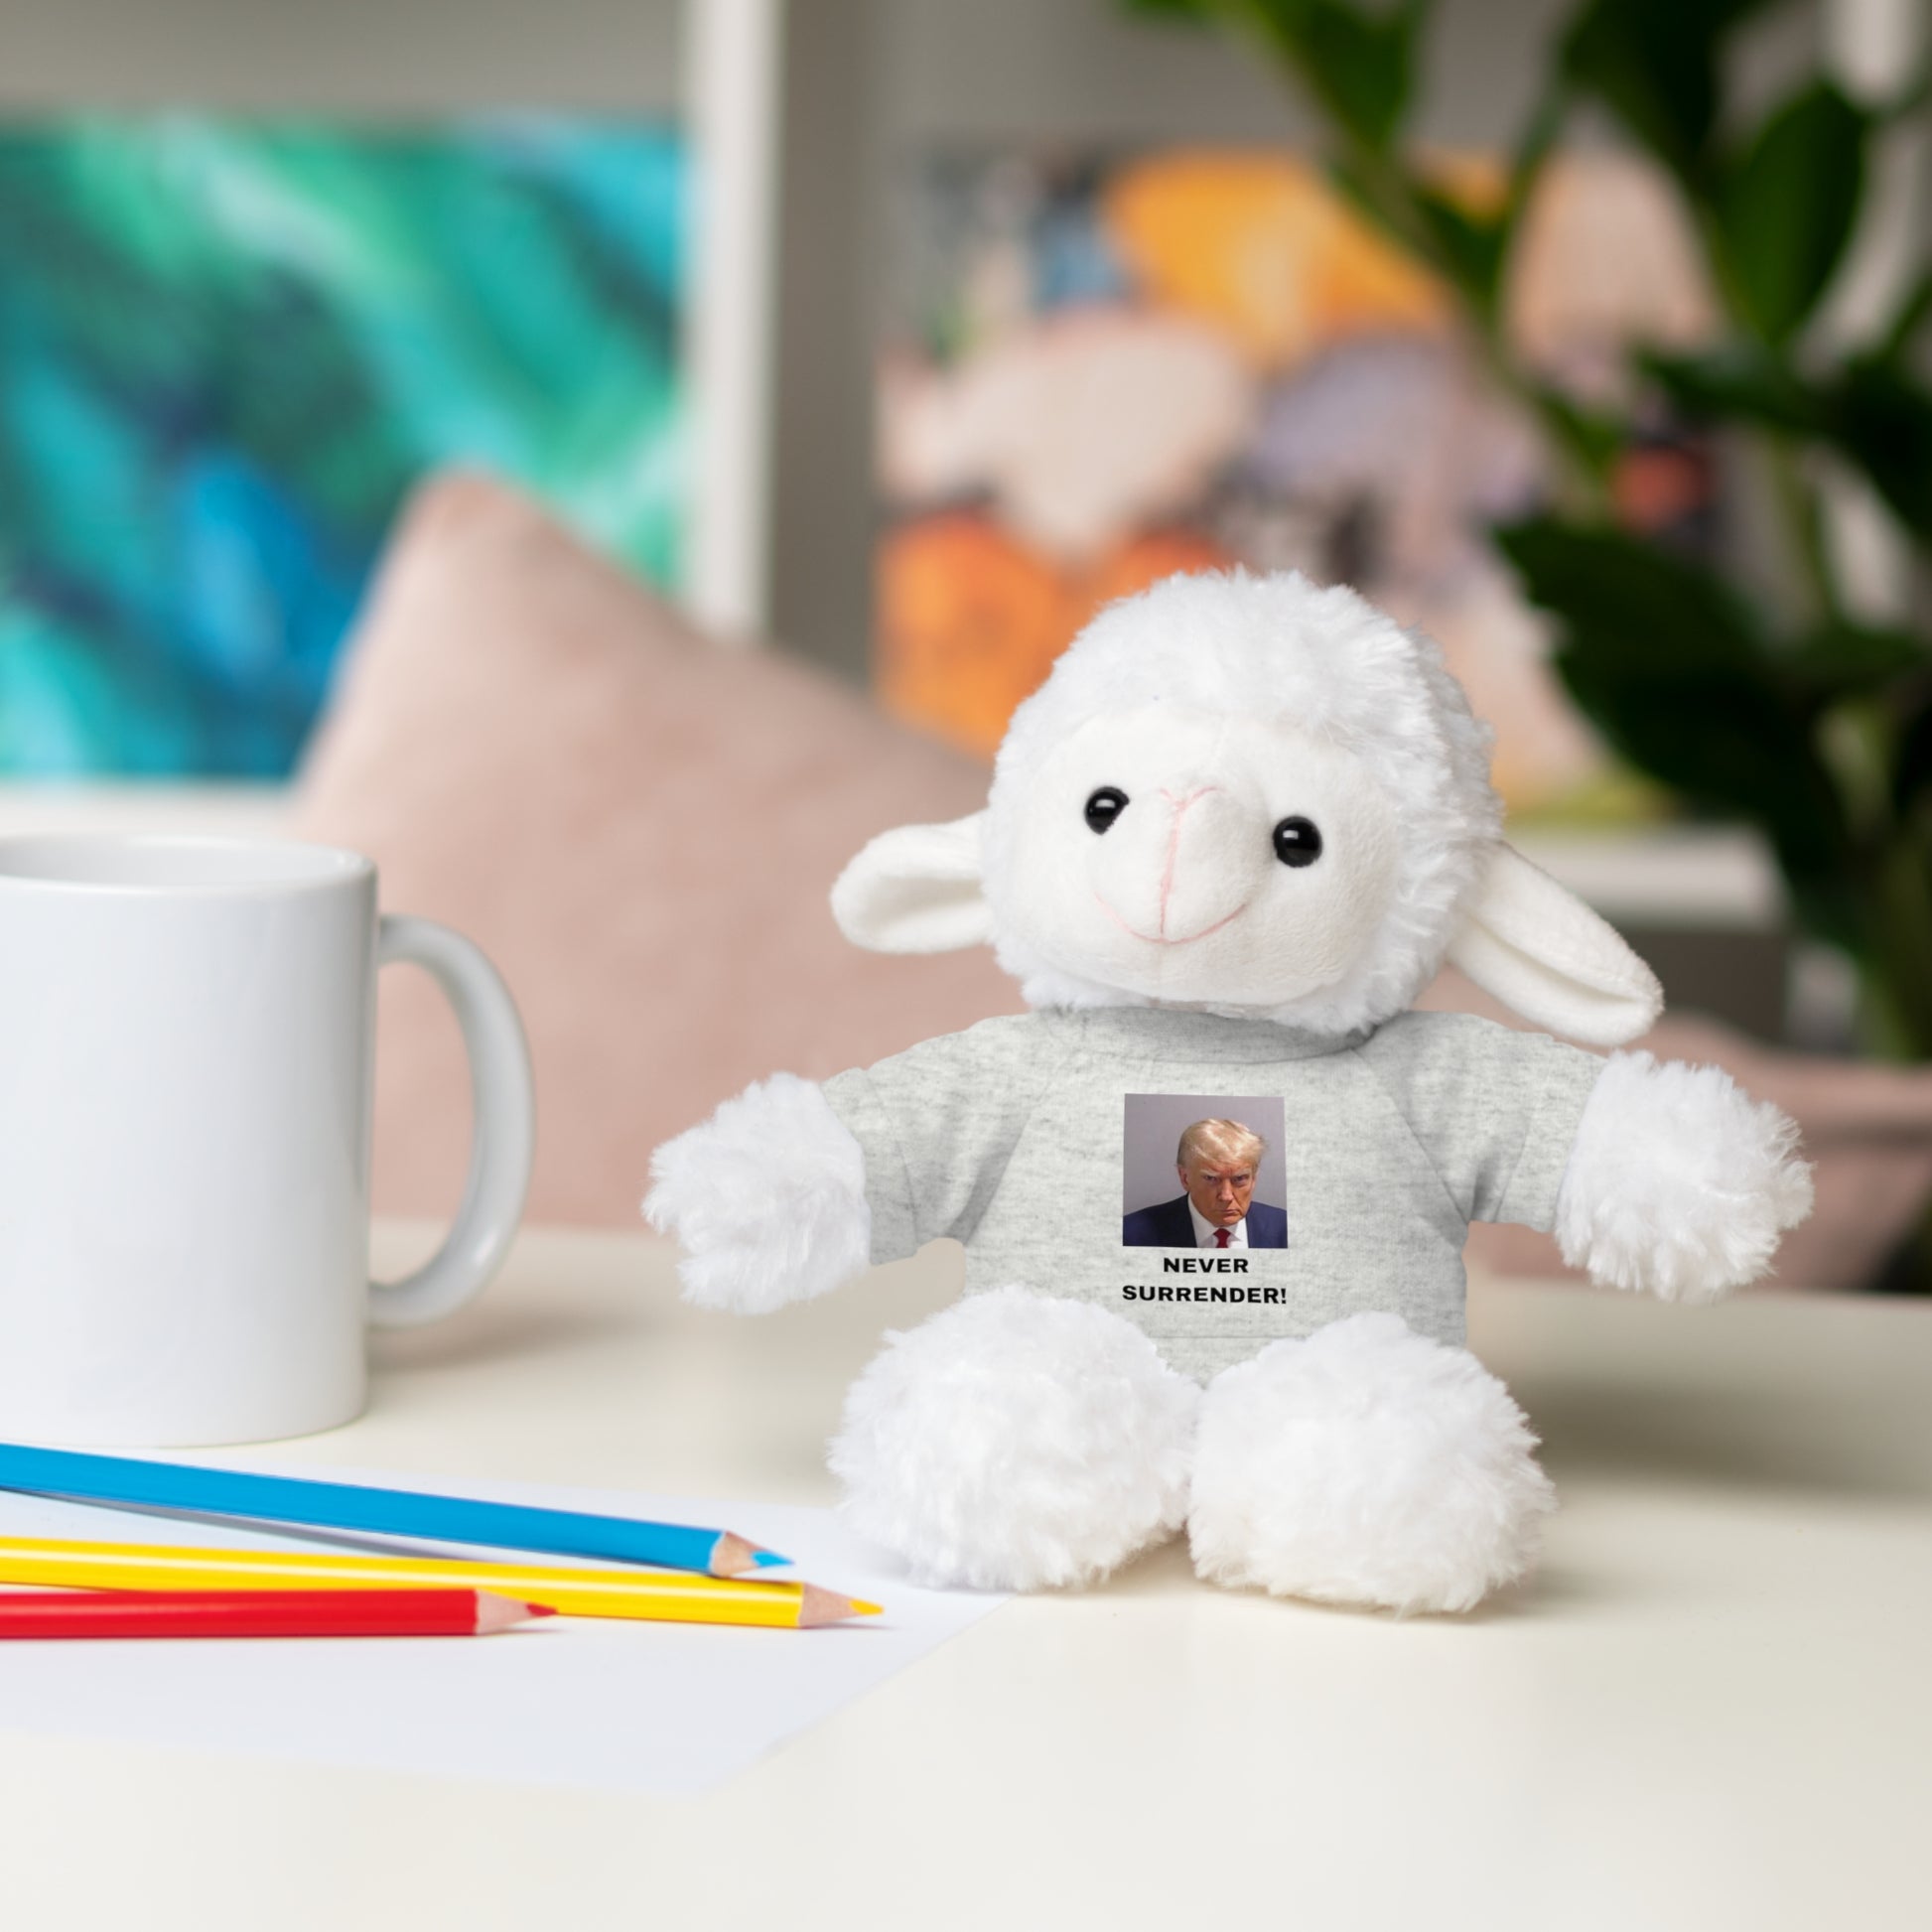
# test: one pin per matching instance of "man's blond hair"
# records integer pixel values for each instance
(1220, 1139)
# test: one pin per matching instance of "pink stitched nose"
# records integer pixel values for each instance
(1180, 805)
(1181, 861)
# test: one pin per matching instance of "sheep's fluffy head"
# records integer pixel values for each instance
(1308, 805)
(1253, 796)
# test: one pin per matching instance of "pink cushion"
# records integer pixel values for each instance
(639, 826)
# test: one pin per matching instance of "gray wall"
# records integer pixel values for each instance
(369, 55)
(1083, 71)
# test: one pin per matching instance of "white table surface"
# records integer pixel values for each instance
(1713, 1709)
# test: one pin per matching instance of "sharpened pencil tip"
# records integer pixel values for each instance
(494, 1613)
(731, 1556)
(817, 1606)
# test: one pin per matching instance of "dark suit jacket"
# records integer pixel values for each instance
(1170, 1225)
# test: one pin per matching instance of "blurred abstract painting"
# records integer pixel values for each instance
(1100, 369)
(228, 348)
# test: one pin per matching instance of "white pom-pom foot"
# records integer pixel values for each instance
(767, 1198)
(1679, 1181)
(1016, 1441)
(1367, 1465)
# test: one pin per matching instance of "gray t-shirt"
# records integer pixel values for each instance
(1014, 1137)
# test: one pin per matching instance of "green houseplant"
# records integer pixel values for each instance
(1775, 704)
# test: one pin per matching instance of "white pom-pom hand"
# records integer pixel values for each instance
(767, 1198)
(1679, 1181)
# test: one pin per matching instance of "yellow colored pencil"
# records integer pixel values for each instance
(666, 1597)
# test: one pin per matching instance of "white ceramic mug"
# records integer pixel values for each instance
(187, 1046)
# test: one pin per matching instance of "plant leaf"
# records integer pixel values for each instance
(1661, 610)
(1788, 207)
(1743, 381)
(1358, 64)
(1912, 760)
(1672, 666)
(1843, 658)
(1469, 247)
(1875, 413)
(1654, 64)
(1911, 319)
(1881, 418)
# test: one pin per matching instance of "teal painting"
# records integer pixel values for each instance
(228, 348)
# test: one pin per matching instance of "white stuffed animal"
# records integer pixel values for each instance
(1229, 840)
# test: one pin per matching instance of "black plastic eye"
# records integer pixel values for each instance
(1297, 841)
(1105, 806)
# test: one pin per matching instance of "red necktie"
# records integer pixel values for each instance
(1222, 1236)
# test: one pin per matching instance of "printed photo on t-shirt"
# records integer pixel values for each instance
(1203, 1171)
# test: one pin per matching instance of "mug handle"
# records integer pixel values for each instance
(503, 1134)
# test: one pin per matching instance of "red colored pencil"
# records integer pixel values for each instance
(260, 1614)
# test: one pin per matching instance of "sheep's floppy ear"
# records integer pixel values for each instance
(1544, 953)
(916, 890)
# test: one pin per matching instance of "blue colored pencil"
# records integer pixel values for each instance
(119, 1480)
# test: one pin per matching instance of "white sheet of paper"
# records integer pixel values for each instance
(591, 1702)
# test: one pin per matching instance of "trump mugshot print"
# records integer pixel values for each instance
(1203, 1170)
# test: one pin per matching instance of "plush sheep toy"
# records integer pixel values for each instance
(1227, 843)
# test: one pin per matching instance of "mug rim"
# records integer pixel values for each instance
(307, 865)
